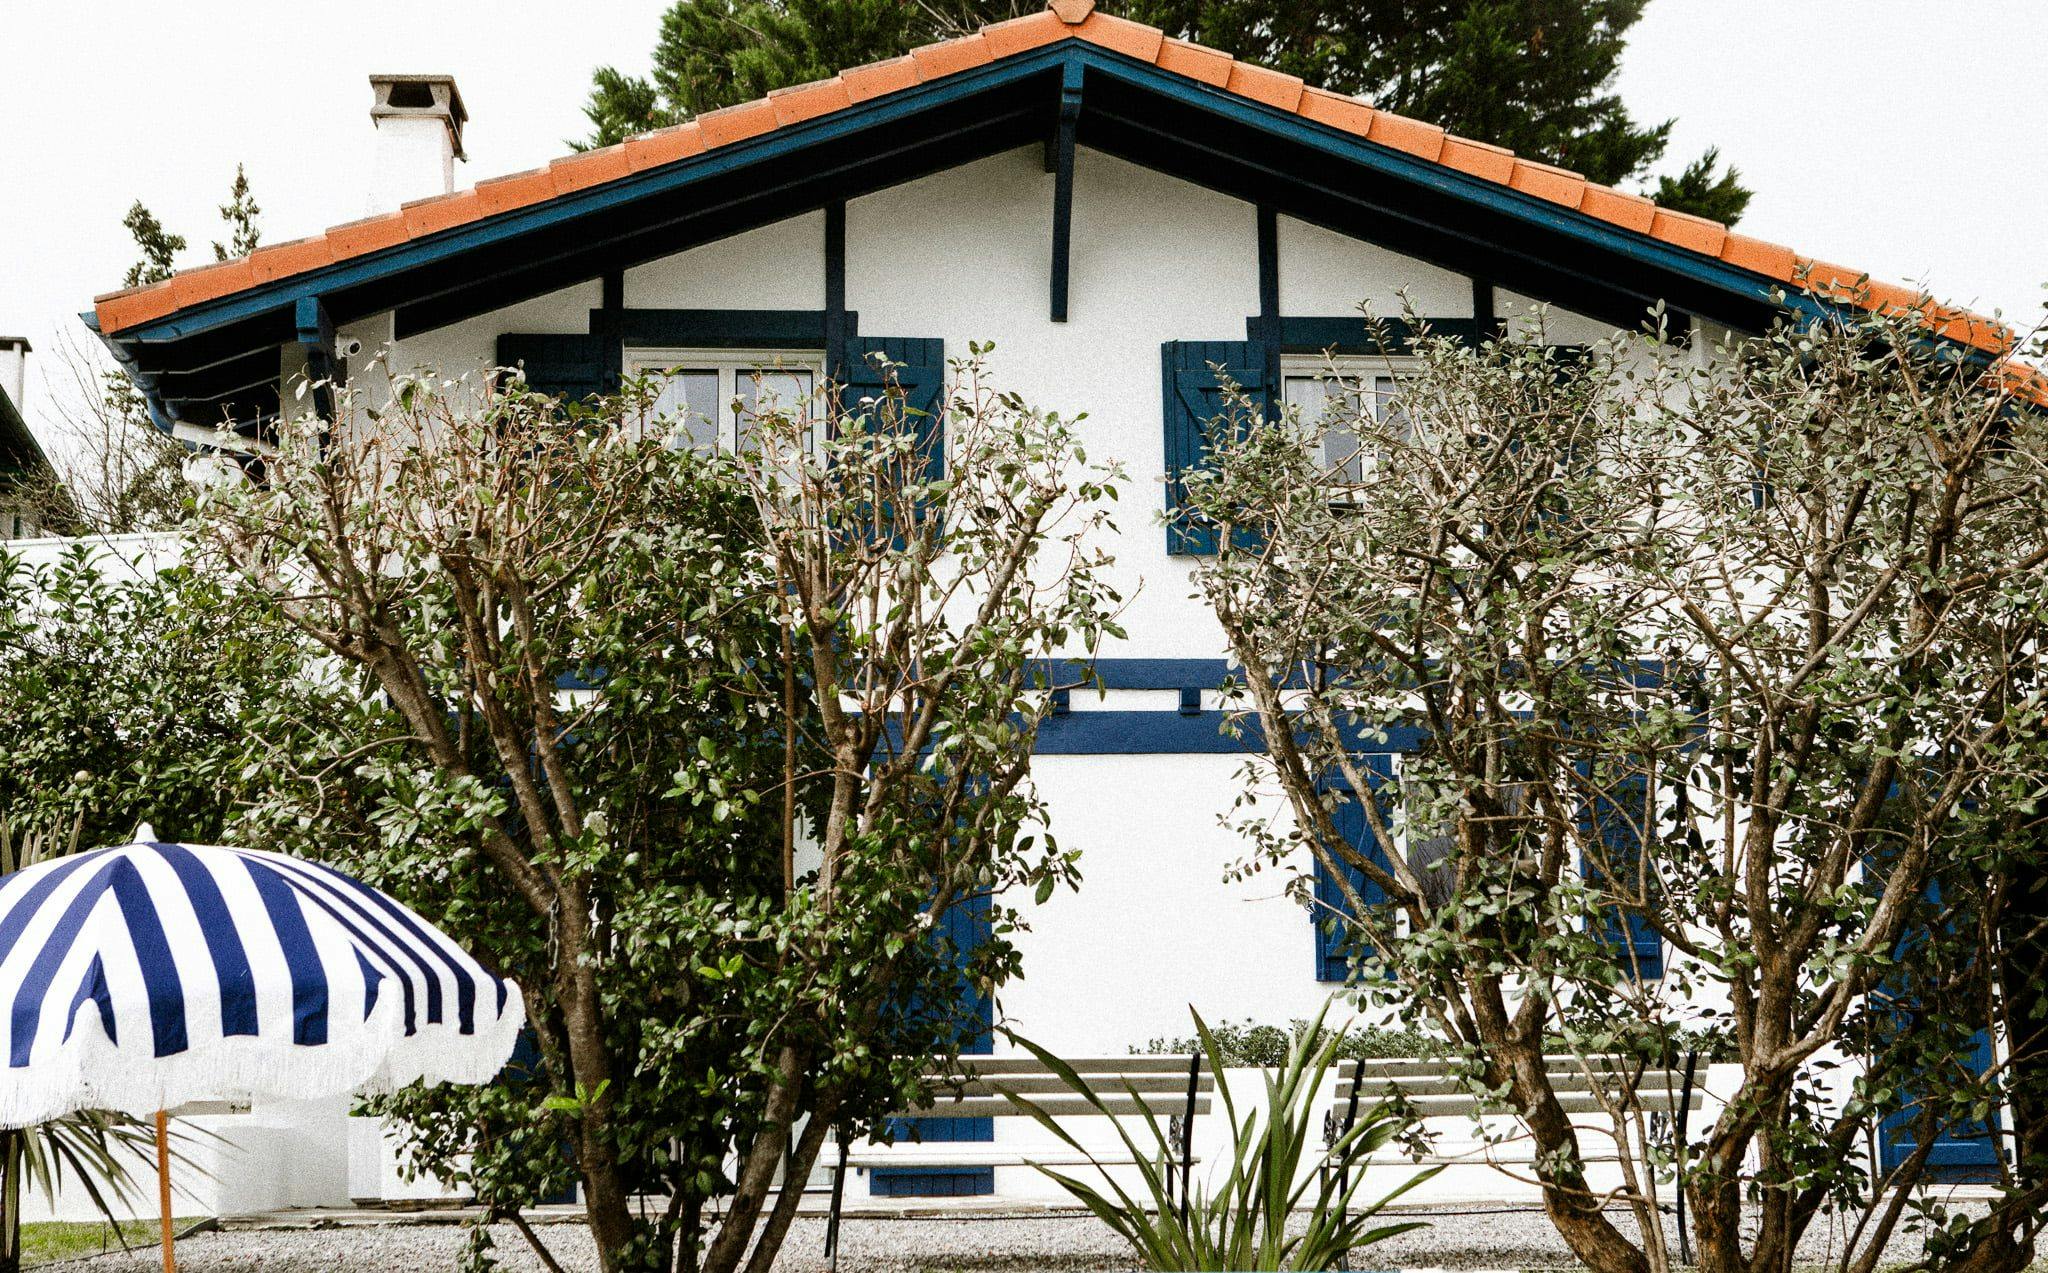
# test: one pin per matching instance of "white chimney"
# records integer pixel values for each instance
(14, 368)
(419, 121)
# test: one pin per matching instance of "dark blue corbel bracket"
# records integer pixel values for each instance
(324, 369)
(1063, 184)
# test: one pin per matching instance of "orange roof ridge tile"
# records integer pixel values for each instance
(1060, 20)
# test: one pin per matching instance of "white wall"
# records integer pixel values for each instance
(1154, 928)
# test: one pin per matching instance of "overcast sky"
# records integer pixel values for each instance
(1906, 139)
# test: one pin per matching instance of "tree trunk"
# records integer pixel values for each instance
(606, 1195)
(1716, 1192)
(1570, 1205)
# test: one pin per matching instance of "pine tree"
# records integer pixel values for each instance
(240, 213)
(158, 247)
(1535, 76)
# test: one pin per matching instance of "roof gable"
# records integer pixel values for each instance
(1254, 132)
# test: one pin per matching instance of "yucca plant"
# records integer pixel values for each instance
(1279, 1171)
(95, 1149)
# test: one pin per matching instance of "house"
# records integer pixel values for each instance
(1115, 211)
(27, 481)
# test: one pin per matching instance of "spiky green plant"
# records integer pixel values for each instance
(1278, 1170)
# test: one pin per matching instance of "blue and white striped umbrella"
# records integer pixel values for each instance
(143, 977)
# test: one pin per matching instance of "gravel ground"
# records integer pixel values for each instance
(1467, 1239)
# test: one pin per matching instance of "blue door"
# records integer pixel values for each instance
(1965, 1150)
(1336, 944)
(964, 927)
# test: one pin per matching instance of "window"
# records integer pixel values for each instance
(710, 398)
(1321, 390)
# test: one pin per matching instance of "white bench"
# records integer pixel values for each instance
(1430, 1090)
(1175, 1087)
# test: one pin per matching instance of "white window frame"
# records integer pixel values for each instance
(1350, 368)
(733, 367)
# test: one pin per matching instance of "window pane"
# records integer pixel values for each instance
(1391, 411)
(770, 389)
(689, 404)
(1327, 404)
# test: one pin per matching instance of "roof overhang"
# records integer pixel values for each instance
(217, 359)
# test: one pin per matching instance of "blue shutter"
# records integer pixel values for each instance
(1965, 1150)
(922, 378)
(964, 926)
(569, 367)
(1620, 816)
(1193, 398)
(1335, 940)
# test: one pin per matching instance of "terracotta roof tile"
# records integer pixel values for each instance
(878, 79)
(1262, 85)
(1063, 19)
(1425, 141)
(367, 235)
(1493, 163)
(1894, 298)
(1558, 185)
(1688, 231)
(1121, 35)
(1760, 257)
(665, 146)
(515, 190)
(1020, 35)
(1831, 280)
(1619, 207)
(117, 311)
(808, 101)
(591, 168)
(190, 287)
(950, 57)
(736, 123)
(281, 260)
(442, 212)
(1336, 110)
(1195, 61)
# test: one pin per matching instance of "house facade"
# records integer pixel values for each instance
(1115, 211)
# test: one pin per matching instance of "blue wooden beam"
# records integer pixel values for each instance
(836, 332)
(324, 370)
(1063, 185)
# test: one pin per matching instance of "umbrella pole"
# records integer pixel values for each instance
(163, 1187)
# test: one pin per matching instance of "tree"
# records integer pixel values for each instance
(159, 247)
(808, 683)
(124, 698)
(122, 474)
(1535, 76)
(1741, 663)
(239, 213)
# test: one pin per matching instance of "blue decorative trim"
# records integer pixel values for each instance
(723, 328)
(1135, 674)
(838, 322)
(1063, 185)
(316, 338)
(1175, 733)
(1351, 334)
